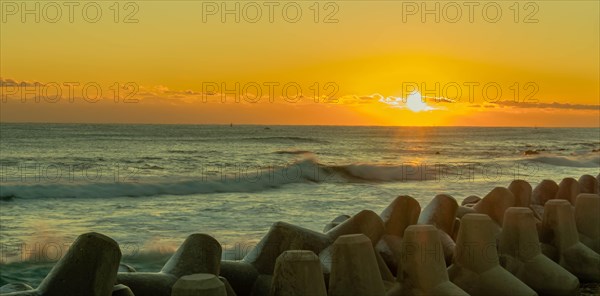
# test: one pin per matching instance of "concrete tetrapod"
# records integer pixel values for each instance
(587, 219)
(589, 184)
(122, 290)
(88, 268)
(199, 284)
(495, 203)
(455, 230)
(568, 189)
(398, 215)
(228, 289)
(475, 267)
(522, 256)
(560, 231)
(522, 191)
(335, 222)
(283, 237)
(441, 213)
(471, 199)
(241, 275)
(354, 269)
(298, 273)
(365, 222)
(199, 253)
(15, 287)
(253, 274)
(543, 192)
(463, 210)
(422, 269)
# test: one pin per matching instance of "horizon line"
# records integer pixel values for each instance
(278, 124)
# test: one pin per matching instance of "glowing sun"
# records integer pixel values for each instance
(415, 103)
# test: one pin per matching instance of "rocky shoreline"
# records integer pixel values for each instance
(516, 240)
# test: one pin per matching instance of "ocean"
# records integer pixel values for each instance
(149, 186)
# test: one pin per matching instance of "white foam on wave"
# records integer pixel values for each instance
(389, 173)
(584, 161)
(255, 179)
(251, 180)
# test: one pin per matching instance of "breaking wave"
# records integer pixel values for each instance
(305, 171)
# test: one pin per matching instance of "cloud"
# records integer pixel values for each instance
(438, 99)
(413, 102)
(358, 99)
(162, 93)
(553, 105)
(371, 98)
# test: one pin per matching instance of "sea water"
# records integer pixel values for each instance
(149, 186)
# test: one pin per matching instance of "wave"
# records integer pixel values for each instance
(239, 180)
(252, 179)
(579, 162)
(151, 158)
(179, 151)
(150, 167)
(287, 139)
(388, 173)
(294, 152)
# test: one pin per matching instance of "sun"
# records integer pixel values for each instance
(415, 103)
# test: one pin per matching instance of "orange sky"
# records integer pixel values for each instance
(354, 62)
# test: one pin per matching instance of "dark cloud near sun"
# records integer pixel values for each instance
(553, 105)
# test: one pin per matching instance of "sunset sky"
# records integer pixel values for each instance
(367, 54)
